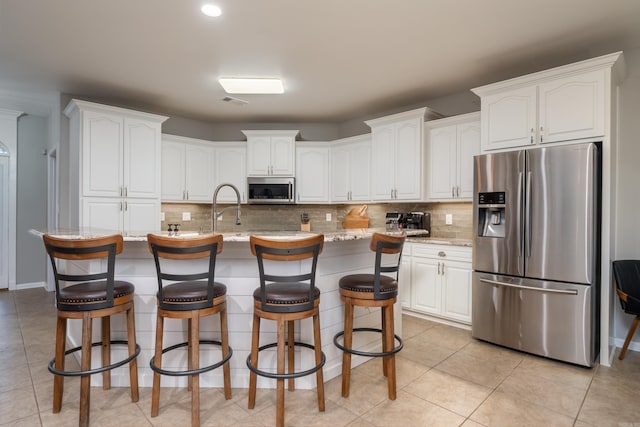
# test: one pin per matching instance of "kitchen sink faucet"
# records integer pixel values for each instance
(215, 215)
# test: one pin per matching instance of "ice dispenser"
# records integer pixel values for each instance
(491, 214)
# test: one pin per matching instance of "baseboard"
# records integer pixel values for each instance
(31, 285)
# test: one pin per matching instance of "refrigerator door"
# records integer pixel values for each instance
(546, 318)
(561, 219)
(496, 173)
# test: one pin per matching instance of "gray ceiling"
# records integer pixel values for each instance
(339, 59)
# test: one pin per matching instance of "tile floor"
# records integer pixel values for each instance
(445, 378)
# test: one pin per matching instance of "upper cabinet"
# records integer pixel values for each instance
(562, 104)
(397, 156)
(271, 153)
(230, 168)
(312, 172)
(451, 145)
(351, 169)
(115, 159)
(187, 169)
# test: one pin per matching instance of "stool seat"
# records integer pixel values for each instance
(93, 292)
(365, 283)
(191, 291)
(286, 293)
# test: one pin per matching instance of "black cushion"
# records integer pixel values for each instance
(286, 293)
(627, 275)
(193, 291)
(90, 292)
(364, 283)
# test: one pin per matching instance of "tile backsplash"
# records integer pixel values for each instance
(287, 217)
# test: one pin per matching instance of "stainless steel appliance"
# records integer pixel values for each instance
(420, 221)
(271, 190)
(536, 251)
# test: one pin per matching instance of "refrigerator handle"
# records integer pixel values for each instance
(530, 288)
(528, 202)
(519, 216)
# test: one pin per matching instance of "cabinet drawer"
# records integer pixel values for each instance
(459, 253)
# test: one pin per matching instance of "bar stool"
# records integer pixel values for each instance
(286, 298)
(188, 296)
(373, 290)
(89, 296)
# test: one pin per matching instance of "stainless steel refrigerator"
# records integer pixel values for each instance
(536, 251)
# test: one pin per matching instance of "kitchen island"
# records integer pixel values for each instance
(345, 252)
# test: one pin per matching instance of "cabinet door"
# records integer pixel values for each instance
(102, 152)
(456, 290)
(230, 167)
(104, 213)
(141, 216)
(360, 171)
(441, 161)
(509, 119)
(199, 172)
(312, 174)
(340, 173)
(258, 156)
(173, 173)
(408, 160)
(141, 159)
(468, 145)
(383, 156)
(282, 156)
(426, 293)
(572, 107)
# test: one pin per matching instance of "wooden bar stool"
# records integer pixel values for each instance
(373, 290)
(286, 298)
(188, 296)
(87, 296)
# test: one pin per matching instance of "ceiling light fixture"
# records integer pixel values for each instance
(211, 10)
(237, 85)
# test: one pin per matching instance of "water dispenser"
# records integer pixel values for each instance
(491, 214)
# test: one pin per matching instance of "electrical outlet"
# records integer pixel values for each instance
(186, 216)
(448, 219)
(328, 216)
(161, 216)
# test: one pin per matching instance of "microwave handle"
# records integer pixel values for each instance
(290, 191)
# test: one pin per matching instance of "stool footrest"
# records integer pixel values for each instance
(368, 353)
(289, 375)
(192, 371)
(55, 371)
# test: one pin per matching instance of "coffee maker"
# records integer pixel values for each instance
(417, 221)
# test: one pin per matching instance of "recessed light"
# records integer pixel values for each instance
(251, 85)
(211, 10)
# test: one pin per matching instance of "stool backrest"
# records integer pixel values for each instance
(390, 245)
(287, 250)
(78, 249)
(627, 277)
(176, 248)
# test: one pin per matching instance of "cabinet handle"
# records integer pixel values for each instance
(442, 254)
(453, 192)
(126, 206)
(126, 191)
(121, 207)
(457, 191)
(120, 191)
(438, 269)
(187, 194)
(532, 130)
(443, 268)
(395, 193)
(541, 133)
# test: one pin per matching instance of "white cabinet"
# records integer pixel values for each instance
(312, 172)
(397, 156)
(451, 145)
(114, 167)
(441, 281)
(187, 169)
(230, 168)
(404, 280)
(563, 104)
(270, 153)
(351, 169)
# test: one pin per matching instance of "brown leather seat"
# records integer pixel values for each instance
(88, 296)
(191, 296)
(285, 299)
(373, 290)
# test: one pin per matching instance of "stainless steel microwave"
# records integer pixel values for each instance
(271, 190)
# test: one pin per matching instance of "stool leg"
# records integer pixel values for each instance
(195, 364)
(318, 349)
(384, 340)
(155, 393)
(632, 330)
(189, 354)
(105, 331)
(291, 362)
(253, 377)
(85, 365)
(133, 365)
(390, 361)
(226, 369)
(280, 370)
(58, 380)
(346, 356)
